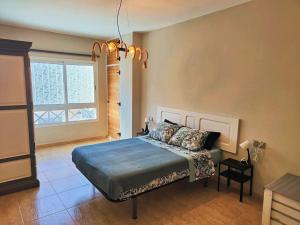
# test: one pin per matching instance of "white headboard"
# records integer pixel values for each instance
(227, 126)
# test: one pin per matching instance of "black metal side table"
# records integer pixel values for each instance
(236, 171)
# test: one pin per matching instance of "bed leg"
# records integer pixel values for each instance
(134, 208)
(94, 191)
(205, 182)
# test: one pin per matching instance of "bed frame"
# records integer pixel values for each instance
(134, 199)
(227, 141)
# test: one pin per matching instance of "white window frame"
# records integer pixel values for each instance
(66, 106)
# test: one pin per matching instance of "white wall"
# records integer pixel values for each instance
(130, 90)
(58, 42)
(126, 92)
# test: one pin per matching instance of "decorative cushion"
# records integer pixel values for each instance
(211, 139)
(178, 137)
(164, 131)
(195, 140)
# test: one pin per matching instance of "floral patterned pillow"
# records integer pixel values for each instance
(195, 140)
(164, 131)
(178, 137)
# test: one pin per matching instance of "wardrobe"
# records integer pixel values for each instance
(17, 147)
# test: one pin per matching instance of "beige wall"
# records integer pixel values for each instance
(242, 62)
(59, 42)
(136, 92)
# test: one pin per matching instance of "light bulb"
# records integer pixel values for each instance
(112, 47)
(132, 51)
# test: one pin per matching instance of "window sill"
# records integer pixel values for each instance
(37, 126)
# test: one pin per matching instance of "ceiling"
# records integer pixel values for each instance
(97, 18)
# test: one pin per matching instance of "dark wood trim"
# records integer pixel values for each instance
(67, 53)
(13, 158)
(13, 107)
(30, 114)
(61, 53)
(20, 48)
(13, 47)
(18, 185)
(12, 53)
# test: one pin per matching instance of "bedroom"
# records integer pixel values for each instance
(236, 60)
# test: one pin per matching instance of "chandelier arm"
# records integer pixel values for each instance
(145, 53)
(145, 65)
(94, 56)
(140, 51)
(116, 49)
(95, 44)
(132, 51)
(104, 44)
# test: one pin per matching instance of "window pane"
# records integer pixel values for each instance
(80, 80)
(47, 83)
(82, 114)
(49, 117)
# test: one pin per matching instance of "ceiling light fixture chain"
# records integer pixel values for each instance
(117, 46)
(118, 26)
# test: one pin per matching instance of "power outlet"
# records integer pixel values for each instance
(259, 144)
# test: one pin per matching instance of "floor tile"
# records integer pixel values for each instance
(44, 190)
(38, 208)
(50, 164)
(41, 176)
(96, 212)
(78, 196)
(60, 218)
(67, 183)
(61, 172)
(181, 203)
(101, 211)
(86, 180)
(9, 210)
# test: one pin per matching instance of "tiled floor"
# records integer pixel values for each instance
(65, 197)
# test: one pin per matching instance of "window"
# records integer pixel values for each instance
(63, 92)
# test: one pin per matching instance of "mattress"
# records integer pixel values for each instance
(124, 168)
(216, 155)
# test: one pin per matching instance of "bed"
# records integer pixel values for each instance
(124, 169)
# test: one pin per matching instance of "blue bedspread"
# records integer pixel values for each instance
(123, 168)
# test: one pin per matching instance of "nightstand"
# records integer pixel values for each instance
(236, 171)
(282, 201)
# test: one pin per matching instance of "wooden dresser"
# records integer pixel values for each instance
(17, 148)
(282, 201)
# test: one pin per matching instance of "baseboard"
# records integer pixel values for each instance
(18, 185)
(69, 142)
